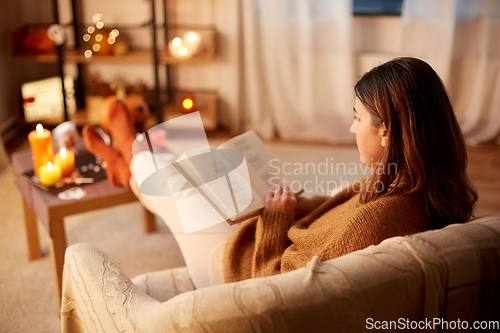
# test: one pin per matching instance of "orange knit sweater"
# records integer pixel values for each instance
(331, 227)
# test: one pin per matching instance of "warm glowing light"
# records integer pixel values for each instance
(111, 40)
(86, 37)
(96, 47)
(114, 33)
(176, 41)
(49, 166)
(187, 103)
(98, 37)
(88, 53)
(192, 36)
(99, 25)
(183, 51)
(90, 30)
(96, 18)
(63, 153)
(39, 128)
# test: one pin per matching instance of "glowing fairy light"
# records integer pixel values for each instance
(99, 25)
(39, 128)
(88, 54)
(96, 47)
(111, 40)
(90, 30)
(177, 41)
(98, 37)
(114, 33)
(86, 37)
(183, 51)
(96, 17)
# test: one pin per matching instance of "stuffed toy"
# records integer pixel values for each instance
(137, 109)
(121, 127)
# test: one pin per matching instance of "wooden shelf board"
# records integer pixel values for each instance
(132, 57)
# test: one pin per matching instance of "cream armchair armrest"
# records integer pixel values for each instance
(400, 278)
(164, 285)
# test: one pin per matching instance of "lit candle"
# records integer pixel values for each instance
(66, 161)
(49, 174)
(41, 147)
(192, 41)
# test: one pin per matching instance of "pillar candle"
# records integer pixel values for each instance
(49, 174)
(65, 159)
(41, 147)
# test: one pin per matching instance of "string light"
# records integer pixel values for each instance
(99, 42)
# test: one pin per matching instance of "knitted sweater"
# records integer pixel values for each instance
(275, 242)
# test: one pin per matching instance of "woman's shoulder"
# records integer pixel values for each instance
(406, 212)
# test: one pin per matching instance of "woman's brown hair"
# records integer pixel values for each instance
(426, 144)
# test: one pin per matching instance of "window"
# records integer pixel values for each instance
(377, 7)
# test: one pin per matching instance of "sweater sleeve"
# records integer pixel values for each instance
(271, 240)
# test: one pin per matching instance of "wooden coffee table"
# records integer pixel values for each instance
(51, 211)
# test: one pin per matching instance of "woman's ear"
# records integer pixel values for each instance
(384, 137)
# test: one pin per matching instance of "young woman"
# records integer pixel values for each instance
(406, 130)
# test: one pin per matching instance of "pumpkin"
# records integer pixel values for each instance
(137, 108)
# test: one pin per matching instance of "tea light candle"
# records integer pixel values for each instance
(65, 160)
(41, 147)
(49, 174)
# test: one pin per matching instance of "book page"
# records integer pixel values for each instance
(262, 166)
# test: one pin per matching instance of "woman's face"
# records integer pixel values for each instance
(371, 140)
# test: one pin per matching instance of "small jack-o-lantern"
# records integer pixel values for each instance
(137, 108)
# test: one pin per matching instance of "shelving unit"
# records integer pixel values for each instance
(164, 109)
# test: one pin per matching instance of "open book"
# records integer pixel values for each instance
(233, 178)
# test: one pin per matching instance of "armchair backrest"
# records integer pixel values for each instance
(402, 283)
(471, 252)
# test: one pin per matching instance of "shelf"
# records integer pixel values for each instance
(206, 54)
(132, 57)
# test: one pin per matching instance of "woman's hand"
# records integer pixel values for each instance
(281, 199)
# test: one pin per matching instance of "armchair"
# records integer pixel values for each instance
(447, 274)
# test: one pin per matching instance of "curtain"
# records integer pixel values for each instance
(4, 158)
(460, 39)
(298, 68)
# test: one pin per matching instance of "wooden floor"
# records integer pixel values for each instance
(484, 172)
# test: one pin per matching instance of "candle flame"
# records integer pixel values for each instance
(49, 165)
(39, 128)
(63, 153)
